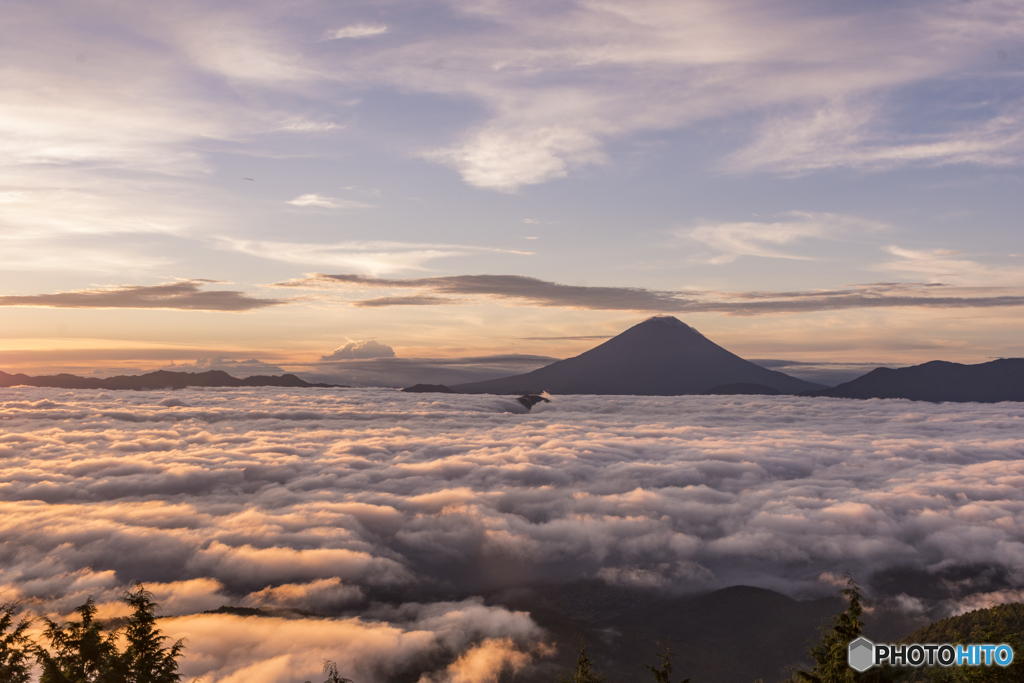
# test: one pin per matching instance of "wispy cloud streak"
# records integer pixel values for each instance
(528, 291)
(186, 295)
(376, 257)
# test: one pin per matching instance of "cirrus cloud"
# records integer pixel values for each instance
(357, 31)
(186, 295)
(518, 290)
(764, 239)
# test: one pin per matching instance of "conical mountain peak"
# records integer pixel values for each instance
(665, 322)
(661, 356)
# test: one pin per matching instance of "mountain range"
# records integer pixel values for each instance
(662, 356)
(938, 381)
(161, 379)
(734, 635)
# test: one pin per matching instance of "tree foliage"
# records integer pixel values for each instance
(829, 653)
(146, 660)
(998, 625)
(80, 651)
(664, 673)
(15, 647)
(331, 671)
(996, 631)
(584, 671)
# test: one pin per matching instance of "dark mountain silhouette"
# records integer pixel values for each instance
(528, 401)
(743, 388)
(733, 635)
(429, 389)
(998, 380)
(161, 379)
(661, 356)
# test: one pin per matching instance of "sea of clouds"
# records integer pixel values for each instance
(400, 516)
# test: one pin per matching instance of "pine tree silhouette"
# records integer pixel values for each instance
(331, 669)
(584, 671)
(830, 653)
(664, 674)
(146, 660)
(15, 647)
(80, 651)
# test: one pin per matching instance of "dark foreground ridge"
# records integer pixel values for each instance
(661, 356)
(938, 381)
(733, 635)
(161, 379)
(429, 389)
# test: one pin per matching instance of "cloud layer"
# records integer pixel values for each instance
(390, 512)
(404, 372)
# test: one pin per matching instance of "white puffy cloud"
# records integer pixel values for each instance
(328, 594)
(389, 512)
(483, 663)
(361, 349)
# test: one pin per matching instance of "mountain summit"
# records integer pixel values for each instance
(662, 356)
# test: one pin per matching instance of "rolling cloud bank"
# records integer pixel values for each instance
(403, 519)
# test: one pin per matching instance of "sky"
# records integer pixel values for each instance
(405, 518)
(206, 184)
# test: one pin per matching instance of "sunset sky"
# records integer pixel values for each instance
(201, 183)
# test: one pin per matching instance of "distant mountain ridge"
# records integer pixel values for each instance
(938, 381)
(732, 635)
(1008, 617)
(661, 356)
(161, 379)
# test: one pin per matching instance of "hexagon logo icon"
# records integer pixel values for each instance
(860, 654)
